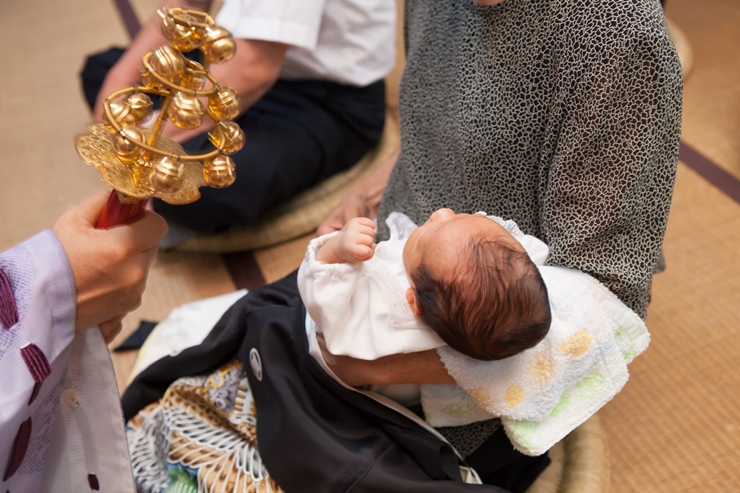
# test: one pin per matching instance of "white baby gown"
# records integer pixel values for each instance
(362, 310)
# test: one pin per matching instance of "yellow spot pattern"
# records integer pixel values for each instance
(577, 344)
(541, 368)
(480, 395)
(514, 395)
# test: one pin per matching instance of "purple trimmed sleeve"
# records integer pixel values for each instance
(34, 352)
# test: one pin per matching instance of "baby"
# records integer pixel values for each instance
(462, 275)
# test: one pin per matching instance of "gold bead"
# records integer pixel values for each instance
(167, 175)
(126, 144)
(145, 160)
(227, 136)
(148, 81)
(194, 78)
(122, 113)
(217, 44)
(225, 104)
(199, 33)
(141, 106)
(181, 37)
(185, 111)
(219, 172)
(168, 63)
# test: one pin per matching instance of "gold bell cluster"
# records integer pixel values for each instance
(140, 162)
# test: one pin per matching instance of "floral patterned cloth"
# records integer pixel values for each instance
(201, 437)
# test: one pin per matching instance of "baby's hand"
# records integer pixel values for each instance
(354, 243)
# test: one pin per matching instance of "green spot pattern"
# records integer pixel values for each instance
(457, 410)
(561, 406)
(591, 386)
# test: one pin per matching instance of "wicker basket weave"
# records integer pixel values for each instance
(580, 463)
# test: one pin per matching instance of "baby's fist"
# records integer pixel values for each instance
(355, 241)
(352, 244)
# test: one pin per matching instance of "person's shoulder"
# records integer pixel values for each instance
(611, 24)
(612, 37)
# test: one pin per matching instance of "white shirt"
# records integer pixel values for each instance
(347, 41)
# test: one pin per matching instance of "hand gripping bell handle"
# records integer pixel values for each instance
(116, 212)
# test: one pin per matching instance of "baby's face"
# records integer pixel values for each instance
(439, 240)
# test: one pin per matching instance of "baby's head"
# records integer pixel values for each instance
(475, 286)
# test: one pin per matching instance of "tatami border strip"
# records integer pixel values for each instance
(244, 270)
(713, 173)
(128, 16)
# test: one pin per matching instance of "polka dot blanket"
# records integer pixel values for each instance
(544, 393)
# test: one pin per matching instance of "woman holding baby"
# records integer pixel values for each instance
(563, 117)
(570, 128)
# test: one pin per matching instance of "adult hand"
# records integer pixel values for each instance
(354, 204)
(111, 328)
(421, 367)
(109, 266)
(363, 200)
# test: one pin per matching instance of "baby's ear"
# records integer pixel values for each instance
(413, 303)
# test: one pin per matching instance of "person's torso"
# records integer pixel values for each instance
(484, 96)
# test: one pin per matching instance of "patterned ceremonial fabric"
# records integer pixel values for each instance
(562, 115)
(37, 296)
(60, 414)
(201, 436)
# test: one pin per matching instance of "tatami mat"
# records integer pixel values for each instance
(712, 91)
(676, 425)
(41, 107)
(279, 261)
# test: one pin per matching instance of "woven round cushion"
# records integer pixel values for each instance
(580, 462)
(683, 47)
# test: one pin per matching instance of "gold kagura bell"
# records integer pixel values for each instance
(140, 163)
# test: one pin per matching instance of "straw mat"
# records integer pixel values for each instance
(580, 462)
(711, 108)
(676, 425)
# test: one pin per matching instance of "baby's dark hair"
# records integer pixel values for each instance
(491, 305)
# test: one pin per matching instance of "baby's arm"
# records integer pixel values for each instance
(353, 244)
(329, 279)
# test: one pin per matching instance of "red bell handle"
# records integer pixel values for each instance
(115, 212)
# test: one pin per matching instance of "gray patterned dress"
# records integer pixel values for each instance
(563, 115)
